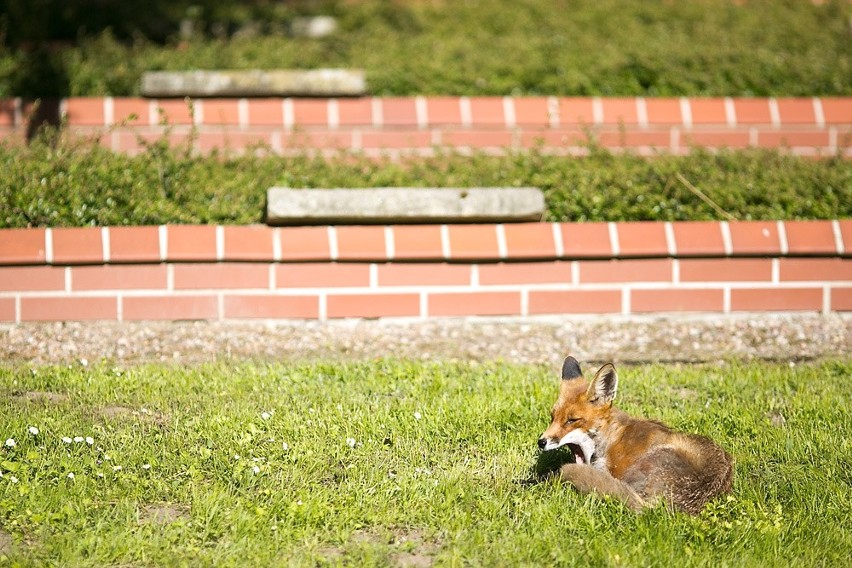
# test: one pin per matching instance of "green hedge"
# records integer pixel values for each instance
(498, 47)
(62, 182)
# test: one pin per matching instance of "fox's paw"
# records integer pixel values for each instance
(587, 479)
(582, 476)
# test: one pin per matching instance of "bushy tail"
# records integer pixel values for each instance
(710, 473)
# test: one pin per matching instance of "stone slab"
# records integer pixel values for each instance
(255, 83)
(313, 27)
(390, 205)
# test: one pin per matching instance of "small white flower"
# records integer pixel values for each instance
(33, 430)
(10, 443)
(256, 469)
(78, 439)
(70, 475)
(66, 439)
(13, 479)
(99, 474)
(116, 468)
(265, 415)
(350, 442)
(84, 362)
(285, 446)
(236, 457)
(90, 440)
(417, 416)
(146, 466)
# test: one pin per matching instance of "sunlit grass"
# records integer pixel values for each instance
(365, 463)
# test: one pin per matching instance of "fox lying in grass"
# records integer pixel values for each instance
(635, 460)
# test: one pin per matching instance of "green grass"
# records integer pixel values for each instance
(76, 182)
(456, 480)
(493, 47)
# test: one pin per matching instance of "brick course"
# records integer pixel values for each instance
(805, 126)
(224, 272)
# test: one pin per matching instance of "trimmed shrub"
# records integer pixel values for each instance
(501, 47)
(58, 181)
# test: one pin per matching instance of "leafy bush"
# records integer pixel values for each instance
(501, 47)
(60, 181)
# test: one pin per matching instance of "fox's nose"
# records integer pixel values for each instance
(542, 442)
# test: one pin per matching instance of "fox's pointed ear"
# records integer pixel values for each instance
(604, 386)
(571, 369)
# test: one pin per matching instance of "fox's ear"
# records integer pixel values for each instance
(571, 369)
(604, 385)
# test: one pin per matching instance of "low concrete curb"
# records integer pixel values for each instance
(287, 206)
(310, 83)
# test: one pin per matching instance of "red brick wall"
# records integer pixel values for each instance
(804, 126)
(223, 273)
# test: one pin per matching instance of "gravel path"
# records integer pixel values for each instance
(542, 340)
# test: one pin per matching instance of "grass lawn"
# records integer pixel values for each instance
(387, 462)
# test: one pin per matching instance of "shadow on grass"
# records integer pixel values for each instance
(546, 465)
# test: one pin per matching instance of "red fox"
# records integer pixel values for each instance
(635, 460)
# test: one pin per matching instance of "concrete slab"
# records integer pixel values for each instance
(313, 27)
(287, 206)
(279, 83)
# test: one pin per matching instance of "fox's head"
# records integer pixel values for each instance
(580, 412)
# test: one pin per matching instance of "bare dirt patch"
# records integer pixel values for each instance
(163, 513)
(331, 553)
(144, 415)
(357, 538)
(418, 550)
(776, 419)
(367, 537)
(408, 548)
(412, 560)
(41, 397)
(413, 548)
(5, 542)
(686, 394)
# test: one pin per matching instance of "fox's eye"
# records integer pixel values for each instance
(570, 421)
